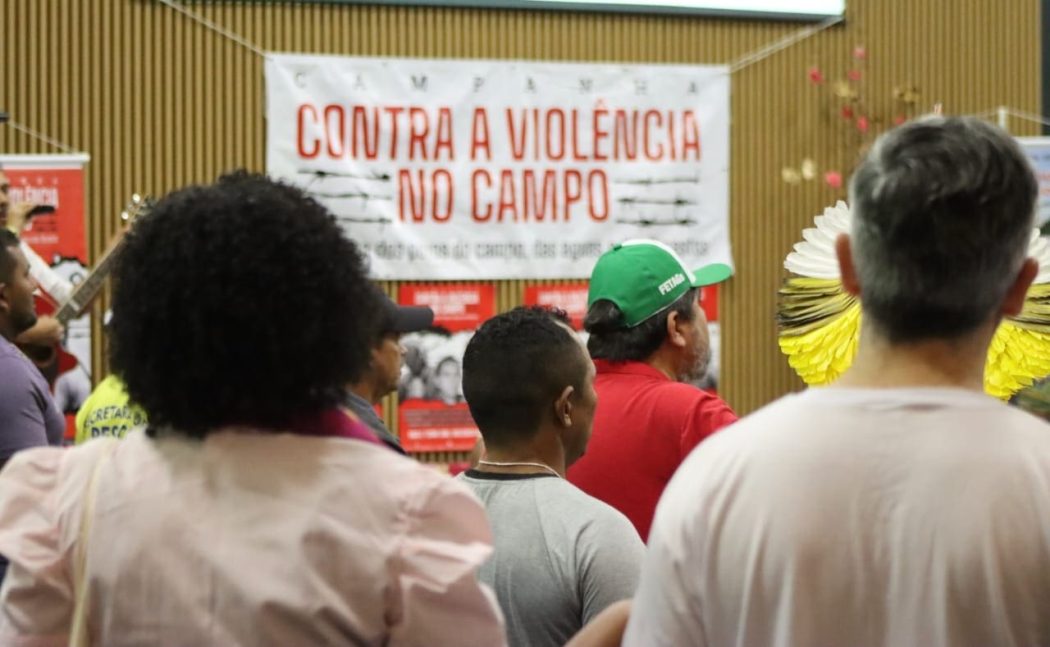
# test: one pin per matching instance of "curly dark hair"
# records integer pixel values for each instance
(239, 303)
(611, 340)
(515, 365)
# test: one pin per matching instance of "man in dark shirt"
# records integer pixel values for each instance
(28, 414)
(381, 376)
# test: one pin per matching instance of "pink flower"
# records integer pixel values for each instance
(860, 53)
(847, 112)
(853, 75)
(899, 119)
(815, 75)
(862, 124)
(833, 179)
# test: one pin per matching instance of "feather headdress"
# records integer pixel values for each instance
(820, 323)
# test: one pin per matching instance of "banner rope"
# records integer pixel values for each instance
(40, 136)
(734, 66)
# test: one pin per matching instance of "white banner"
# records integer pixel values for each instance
(1038, 151)
(473, 169)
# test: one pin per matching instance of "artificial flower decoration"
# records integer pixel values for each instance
(815, 75)
(820, 323)
(833, 179)
(790, 175)
(809, 169)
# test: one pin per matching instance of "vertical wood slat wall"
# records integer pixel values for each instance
(159, 101)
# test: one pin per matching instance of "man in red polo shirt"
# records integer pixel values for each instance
(648, 338)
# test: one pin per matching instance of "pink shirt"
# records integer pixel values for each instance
(245, 539)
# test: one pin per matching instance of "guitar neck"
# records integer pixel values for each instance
(89, 288)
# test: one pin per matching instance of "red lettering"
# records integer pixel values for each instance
(670, 134)
(338, 137)
(359, 126)
(538, 205)
(301, 132)
(418, 129)
(598, 133)
(416, 197)
(597, 176)
(691, 136)
(474, 177)
(393, 111)
(517, 138)
(556, 112)
(625, 137)
(479, 137)
(572, 193)
(444, 175)
(535, 134)
(649, 116)
(444, 134)
(507, 199)
(575, 138)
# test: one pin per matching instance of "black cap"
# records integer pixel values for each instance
(403, 319)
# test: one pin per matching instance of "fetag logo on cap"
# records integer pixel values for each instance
(672, 283)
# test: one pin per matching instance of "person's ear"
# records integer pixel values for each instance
(1015, 295)
(5, 305)
(844, 252)
(563, 407)
(675, 324)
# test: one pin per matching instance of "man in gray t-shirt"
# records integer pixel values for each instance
(561, 556)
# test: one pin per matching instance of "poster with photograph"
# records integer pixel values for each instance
(571, 297)
(432, 415)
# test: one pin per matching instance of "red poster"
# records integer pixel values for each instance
(572, 298)
(60, 235)
(433, 416)
(456, 307)
(709, 302)
(58, 239)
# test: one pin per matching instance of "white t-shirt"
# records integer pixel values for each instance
(860, 518)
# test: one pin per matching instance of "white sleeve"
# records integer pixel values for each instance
(49, 281)
(667, 608)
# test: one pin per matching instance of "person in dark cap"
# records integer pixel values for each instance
(384, 369)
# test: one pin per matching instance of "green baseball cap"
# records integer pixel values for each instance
(644, 277)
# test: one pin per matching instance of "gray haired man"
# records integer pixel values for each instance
(900, 506)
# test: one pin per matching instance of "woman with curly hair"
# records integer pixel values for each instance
(252, 510)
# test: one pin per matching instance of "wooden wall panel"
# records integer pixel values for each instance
(160, 101)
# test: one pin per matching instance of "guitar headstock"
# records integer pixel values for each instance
(136, 207)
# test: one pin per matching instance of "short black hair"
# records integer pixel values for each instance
(8, 240)
(515, 365)
(942, 214)
(239, 303)
(611, 340)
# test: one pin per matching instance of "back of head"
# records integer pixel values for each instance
(611, 339)
(514, 368)
(239, 303)
(942, 214)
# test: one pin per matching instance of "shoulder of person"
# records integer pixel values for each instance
(597, 515)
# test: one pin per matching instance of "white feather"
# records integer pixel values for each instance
(815, 255)
(1040, 251)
